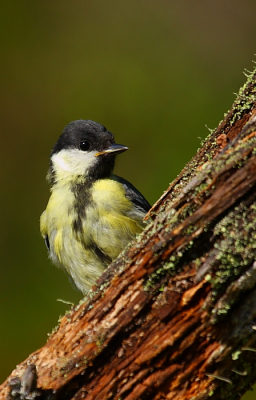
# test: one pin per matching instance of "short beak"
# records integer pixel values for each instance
(114, 148)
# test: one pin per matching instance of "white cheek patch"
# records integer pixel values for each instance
(68, 163)
(59, 161)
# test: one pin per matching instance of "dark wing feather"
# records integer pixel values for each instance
(133, 195)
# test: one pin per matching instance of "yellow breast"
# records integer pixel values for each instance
(107, 227)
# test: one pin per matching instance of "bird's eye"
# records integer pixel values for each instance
(84, 145)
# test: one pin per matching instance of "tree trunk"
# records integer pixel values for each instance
(174, 317)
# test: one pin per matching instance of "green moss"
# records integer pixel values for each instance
(235, 243)
(234, 237)
(245, 98)
(100, 341)
(236, 354)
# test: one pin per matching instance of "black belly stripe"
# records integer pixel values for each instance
(83, 199)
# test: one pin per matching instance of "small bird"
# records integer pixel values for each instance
(92, 214)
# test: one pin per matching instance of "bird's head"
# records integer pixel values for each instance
(85, 150)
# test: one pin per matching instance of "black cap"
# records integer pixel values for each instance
(81, 130)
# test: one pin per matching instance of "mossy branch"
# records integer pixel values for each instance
(174, 316)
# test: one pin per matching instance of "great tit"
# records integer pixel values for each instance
(92, 214)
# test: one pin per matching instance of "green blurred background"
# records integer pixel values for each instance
(154, 72)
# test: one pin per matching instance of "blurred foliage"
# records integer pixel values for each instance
(154, 72)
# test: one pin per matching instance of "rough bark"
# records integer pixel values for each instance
(174, 316)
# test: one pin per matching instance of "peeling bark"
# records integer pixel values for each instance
(174, 316)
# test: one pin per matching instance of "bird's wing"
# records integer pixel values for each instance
(139, 201)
